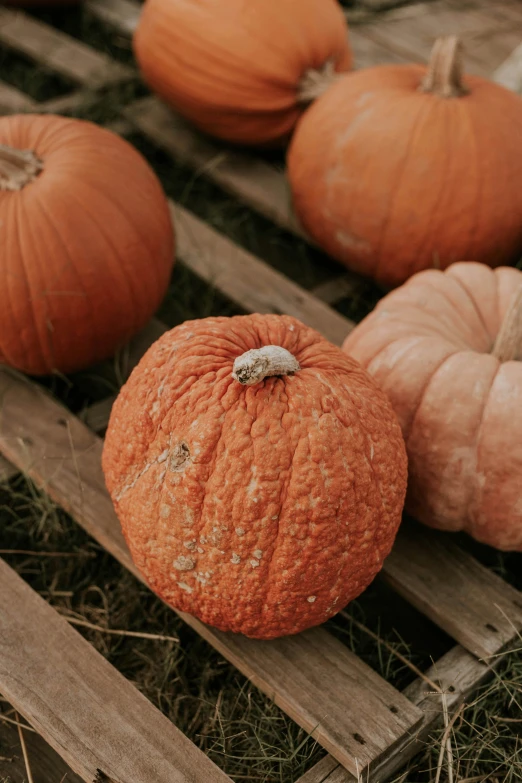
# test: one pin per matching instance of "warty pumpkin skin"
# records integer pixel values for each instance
(436, 347)
(241, 71)
(261, 506)
(86, 243)
(398, 168)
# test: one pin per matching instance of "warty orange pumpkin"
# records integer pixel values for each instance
(241, 71)
(447, 348)
(257, 471)
(87, 243)
(399, 168)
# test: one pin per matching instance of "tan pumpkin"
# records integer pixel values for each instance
(447, 348)
(241, 71)
(86, 243)
(257, 471)
(399, 168)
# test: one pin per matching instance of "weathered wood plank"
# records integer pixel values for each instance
(87, 711)
(121, 14)
(509, 74)
(470, 602)
(459, 674)
(60, 52)
(13, 100)
(411, 31)
(333, 291)
(319, 682)
(46, 765)
(247, 280)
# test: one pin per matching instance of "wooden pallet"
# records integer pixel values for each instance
(368, 727)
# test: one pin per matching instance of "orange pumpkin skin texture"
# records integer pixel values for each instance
(429, 347)
(239, 70)
(390, 180)
(87, 244)
(259, 509)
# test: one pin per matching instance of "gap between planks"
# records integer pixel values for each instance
(81, 705)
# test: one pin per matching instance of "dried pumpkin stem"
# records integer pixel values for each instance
(316, 81)
(259, 363)
(444, 75)
(18, 168)
(508, 345)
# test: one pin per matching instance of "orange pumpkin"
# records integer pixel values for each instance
(87, 246)
(446, 348)
(241, 71)
(398, 168)
(262, 473)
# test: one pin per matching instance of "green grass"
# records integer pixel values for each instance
(229, 719)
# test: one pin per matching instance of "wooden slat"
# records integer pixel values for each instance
(121, 14)
(319, 682)
(247, 280)
(509, 74)
(87, 711)
(13, 100)
(470, 602)
(60, 52)
(410, 32)
(458, 673)
(256, 183)
(46, 765)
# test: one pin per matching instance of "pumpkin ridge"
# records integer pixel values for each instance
(94, 336)
(425, 388)
(99, 226)
(42, 331)
(380, 256)
(476, 307)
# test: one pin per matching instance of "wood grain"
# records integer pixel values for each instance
(87, 711)
(471, 603)
(247, 280)
(60, 52)
(458, 673)
(321, 684)
(46, 765)
(411, 31)
(509, 73)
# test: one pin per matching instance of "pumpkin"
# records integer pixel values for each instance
(87, 244)
(400, 168)
(241, 71)
(446, 349)
(257, 471)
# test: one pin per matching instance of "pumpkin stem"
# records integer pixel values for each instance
(444, 75)
(259, 363)
(18, 168)
(508, 345)
(316, 81)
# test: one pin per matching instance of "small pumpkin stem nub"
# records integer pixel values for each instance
(259, 363)
(508, 345)
(316, 81)
(18, 168)
(444, 75)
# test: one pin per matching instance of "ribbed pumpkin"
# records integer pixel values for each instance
(241, 71)
(257, 471)
(398, 168)
(87, 244)
(447, 348)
